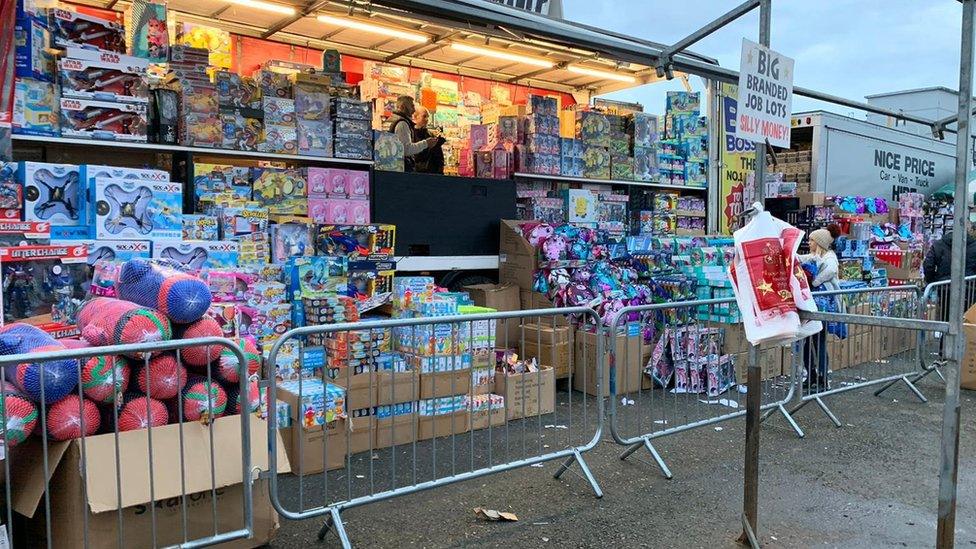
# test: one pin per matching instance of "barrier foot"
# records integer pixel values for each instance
(335, 521)
(646, 443)
(748, 536)
(578, 458)
(934, 368)
(888, 385)
(799, 407)
(914, 389)
(827, 411)
(789, 419)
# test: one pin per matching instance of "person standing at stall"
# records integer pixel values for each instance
(431, 160)
(827, 269)
(401, 125)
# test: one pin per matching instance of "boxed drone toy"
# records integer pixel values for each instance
(90, 119)
(52, 193)
(109, 250)
(89, 172)
(127, 209)
(198, 254)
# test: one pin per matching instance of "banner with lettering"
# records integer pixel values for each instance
(765, 95)
(737, 159)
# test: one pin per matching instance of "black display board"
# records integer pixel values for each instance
(441, 215)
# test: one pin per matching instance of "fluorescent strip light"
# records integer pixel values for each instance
(266, 6)
(497, 54)
(601, 74)
(376, 29)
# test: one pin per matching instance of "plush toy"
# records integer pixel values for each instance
(71, 417)
(110, 321)
(103, 377)
(569, 232)
(59, 377)
(227, 367)
(203, 399)
(537, 234)
(201, 355)
(253, 401)
(579, 250)
(21, 415)
(540, 282)
(554, 248)
(164, 377)
(182, 297)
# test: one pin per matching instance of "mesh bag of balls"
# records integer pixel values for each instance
(158, 302)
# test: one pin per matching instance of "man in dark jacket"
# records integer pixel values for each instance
(431, 160)
(401, 125)
(938, 262)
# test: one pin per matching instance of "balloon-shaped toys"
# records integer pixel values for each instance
(182, 297)
(110, 321)
(54, 378)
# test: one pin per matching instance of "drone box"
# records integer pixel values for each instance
(23, 233)
(52, 193)
(132, 209)
(109, 250)
(88, 173)
(198, 254)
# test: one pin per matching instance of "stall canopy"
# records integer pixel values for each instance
(474, 38)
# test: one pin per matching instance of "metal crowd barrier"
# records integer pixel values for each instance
(696, 355)
(874, 342)
(178, 484)
(436, 418)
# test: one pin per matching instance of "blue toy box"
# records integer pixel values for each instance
(133, 209)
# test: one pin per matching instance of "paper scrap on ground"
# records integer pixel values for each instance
(722, 401)
(626, 402)
(556, 427)
(493, 515)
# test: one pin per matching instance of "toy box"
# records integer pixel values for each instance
(596, 163)
(387, 152)
(23, 233)
(352, 128)
(108, 250)
(234, 90)
(146, 33)
(41, 279)
(88, 173)
(281, 190)
(279, 111)
(352, 148)
(71, 28)
(198, 97)
(311, 101)
(593, 129)
(201, 130)
(290, 240)
(347, 107)
(338, 183)
(36, 108)
(104, 76)
(164, 116)
(216, 41)
(314, 137)
(32, 57)
(644, 129)
(127, 209)
(219, 178)
(581, 206)
(199, 227)
(317, 276)
(52, 193)
(368, 279)
(357, 242)
(339, 211)
(279, 140)
(239, 131)
(679, 102)
(90, 119)
(198, 254)
(273, 84)
(240, 221)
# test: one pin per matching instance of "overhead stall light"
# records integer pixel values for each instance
(375, 29)
(265, 6)
(606, 75)
(498, 54)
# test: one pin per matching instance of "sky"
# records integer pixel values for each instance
(849, 48)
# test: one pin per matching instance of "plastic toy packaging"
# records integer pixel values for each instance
(53, 193)
(134, 209)
(234, 90)
(43, 279)
(319, 275)
(36, 108)
(290, 240)
(163, 116)
(239, 132)
(199, 227)
(216, 41)
(236, 222)
(196, 255)
(230, 285)
(281, 190)
(105, 120)
(32, 49)
(105, 76)
(71, 28)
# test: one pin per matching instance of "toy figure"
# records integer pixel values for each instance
(61, 283)
(18, 280)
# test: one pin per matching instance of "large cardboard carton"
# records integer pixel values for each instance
(362, 434)
(443, 425)
(558, 356)
(361, 389)
(529, 394)
(304, 446)
(501, 297)
(482, 419)
(441, 384)
(397, 387)
(532, 300)
(810, 199)
(395, 430)
(628, 376)
(517, 259)
(967, 367)
(94, 498)
(770, 361)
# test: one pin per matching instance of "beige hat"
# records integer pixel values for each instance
(823, 238)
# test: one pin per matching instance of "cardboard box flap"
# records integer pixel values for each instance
(970, 316)
(27, 482)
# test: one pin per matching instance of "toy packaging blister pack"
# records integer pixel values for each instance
(32, 49)
(106, 76)
(281, 190)
(71, 28)
(134, 209)
(43, 279)
(36, 108)
(198, 254)
(53, 193)
(90, 119)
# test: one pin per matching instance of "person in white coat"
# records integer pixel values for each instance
(815, 347)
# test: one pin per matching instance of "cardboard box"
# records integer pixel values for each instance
(770, 361)
(67, 489)
(397, 387)
(483, 419)
(441, 384)
(362, 388)
(443, 425)
(532, 300)
(501, 297)
(304, 447)
(527, 395)
(629, 372)
(395, 430)
(558, 356)
(967, 366)
(810, 199)
(839, 353)
(517, 259)
(362, 434)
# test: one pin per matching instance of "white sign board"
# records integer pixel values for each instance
(765, 95)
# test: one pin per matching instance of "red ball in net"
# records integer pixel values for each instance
(21, 415)
(227, 367)
(203, 398)
(201, 355)
(163, 379)
(103, 377)
(251, 404)
(140, 412)
(71, 417)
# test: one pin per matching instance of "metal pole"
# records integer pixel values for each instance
(665, 60)
(750, 483)
(955, 345)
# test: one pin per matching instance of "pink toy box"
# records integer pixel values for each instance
(339, 211)
(336, 183)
